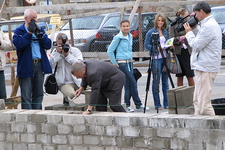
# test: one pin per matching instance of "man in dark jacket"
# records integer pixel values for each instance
(31, 43)
(105, 80)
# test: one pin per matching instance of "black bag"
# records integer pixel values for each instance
(50, 85)
(137, 73)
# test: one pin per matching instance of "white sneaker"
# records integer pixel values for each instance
(129, 109)
(142, 108)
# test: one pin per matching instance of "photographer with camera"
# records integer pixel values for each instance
(64, 56)
(181, 47)
(154, 37)
(31, 42)
(205, 56)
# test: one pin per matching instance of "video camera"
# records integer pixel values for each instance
(192, 21)
(155, 38)
(65, 46)
(38, 32)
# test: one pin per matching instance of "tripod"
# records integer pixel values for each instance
(156, 45)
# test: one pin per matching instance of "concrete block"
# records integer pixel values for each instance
(104, 120)
(18, 127)
(21, 117)
(64, 129)
(122, 121)
(2, 104)
(159, 143)
(178, 143)
(148, 132)
(34, 146)
(49, 129)
(108, 141)
(131, 131)
(6, 146)
(13, 137)
(80, 147)
(96, 130)
(124, 142)
(113, 131)
(28, 138)
(44, 138)
(34, 128)
(72, 120)
(37, 118)
(66, 147)
(20, 146)
(141, 143)
(55, 119)
(49, 147)
(91, 140)
(139, 121)
(184, 134)
(75, 139)
(5, 127)
(184, 96)
(59, 139)
(2, 136)
(80, 129)
(165, 132)
(172, 97)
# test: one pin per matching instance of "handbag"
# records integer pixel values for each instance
(51, 86)
(137, 74)
(172, 64)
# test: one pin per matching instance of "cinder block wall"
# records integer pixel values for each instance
(64, 130)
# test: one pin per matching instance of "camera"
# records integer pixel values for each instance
(65, 46)
(155, 38)
(38, 32)
(192, 21)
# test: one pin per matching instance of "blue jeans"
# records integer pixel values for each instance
(2, 85)
(32, 89)
(157, 67)
(130, 86)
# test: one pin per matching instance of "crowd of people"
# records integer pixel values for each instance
(197, 48)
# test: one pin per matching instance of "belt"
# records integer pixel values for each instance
(36, 60)
(124, 61)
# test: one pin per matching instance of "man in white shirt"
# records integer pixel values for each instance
(205, 57)
(64, 56)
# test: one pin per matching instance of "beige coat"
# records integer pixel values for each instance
(5, 46)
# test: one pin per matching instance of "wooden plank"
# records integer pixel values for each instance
(134, 10)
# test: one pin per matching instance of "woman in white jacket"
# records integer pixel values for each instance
(5, 45)
(67, 83)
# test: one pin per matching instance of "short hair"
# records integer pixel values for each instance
(124, 21)
(163, 19)
(28, 11)
(78, 66)
(181, 12)
(59, 36)
(202, 5)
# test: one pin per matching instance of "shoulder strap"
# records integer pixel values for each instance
(117, 47)
(55, 68)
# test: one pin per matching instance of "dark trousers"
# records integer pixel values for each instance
(2, 85)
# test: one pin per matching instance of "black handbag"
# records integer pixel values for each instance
(50, 84)
(137, 74)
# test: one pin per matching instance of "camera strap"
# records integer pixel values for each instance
(165, 64)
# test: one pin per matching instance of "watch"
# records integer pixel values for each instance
(31, 1)
(88, 110)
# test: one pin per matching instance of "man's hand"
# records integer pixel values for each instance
(32, 26)
(187, 27)
(79, 91)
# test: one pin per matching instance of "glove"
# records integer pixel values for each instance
(32, 26)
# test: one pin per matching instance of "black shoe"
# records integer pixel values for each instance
(65, 102)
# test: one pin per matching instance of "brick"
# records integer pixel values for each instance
(96, 148)
(108, 141)
(113, 131)
(165, 132)
(96, 130)
(160, 143)
(2, 137)
(195, 144)
(66, 147)
(6, 146)
(34, 128)
(178, 143)
(105, 120)
(80, 148)
(90, 120)
(91, 140)
(64, 129)
(131, 131)
(5, 127)
(44, 138)
(215, 144)
(29, 138)
(59, 139)
(21, 117)
(184, 134)
(75, 139)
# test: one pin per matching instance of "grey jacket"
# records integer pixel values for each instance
(101, 76)
(5, 46)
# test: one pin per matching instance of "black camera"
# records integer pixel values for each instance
(38, 32)
(65, 46)
(155, 38)
(192, 21)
